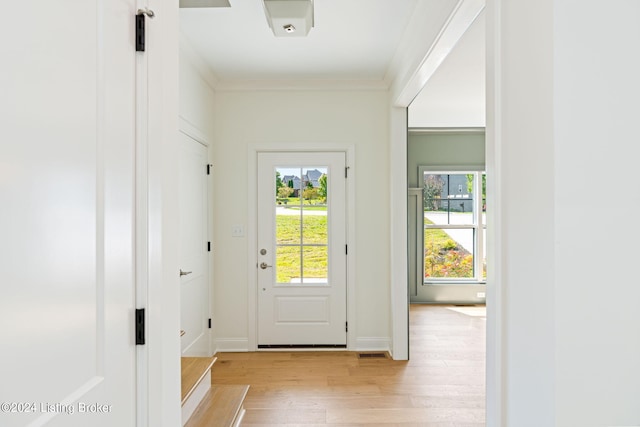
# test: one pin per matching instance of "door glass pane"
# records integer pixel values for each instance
(315, 264)
(314, 227)
(448, 253)
(301, 224)
(287, 226)
(288, 265)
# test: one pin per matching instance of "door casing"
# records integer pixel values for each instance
(196, 137)
(252, 225)
(322, 300)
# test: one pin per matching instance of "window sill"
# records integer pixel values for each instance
(453, 282)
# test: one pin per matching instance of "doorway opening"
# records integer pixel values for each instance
(446, 211)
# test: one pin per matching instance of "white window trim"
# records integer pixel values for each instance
(478, 225)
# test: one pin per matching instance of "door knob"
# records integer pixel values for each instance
(264, 266)
(184, 273)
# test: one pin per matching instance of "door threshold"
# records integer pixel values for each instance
(299, 346)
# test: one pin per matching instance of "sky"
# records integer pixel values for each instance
(296, 171)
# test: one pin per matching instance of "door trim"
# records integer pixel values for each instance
(252, 226)
(192, 131)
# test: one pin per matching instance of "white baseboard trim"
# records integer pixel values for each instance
(362, 344)
(228, 345)
(373, 344)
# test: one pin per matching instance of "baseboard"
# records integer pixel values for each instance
(228, 345)
(372, 344)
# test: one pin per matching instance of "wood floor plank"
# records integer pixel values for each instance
(285, 416)
(403, 415)
(219, 408)
(443, 385)
(193, 370)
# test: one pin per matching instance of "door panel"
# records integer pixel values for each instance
(301, 249)
(194, 284)
(67, 191)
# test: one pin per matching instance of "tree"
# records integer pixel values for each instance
(279, 183)
(433, 185)
(285, 192)
(322, 191)
(310, 193)
(484, 185)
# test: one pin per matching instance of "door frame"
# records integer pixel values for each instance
(252, 229)
(188, 129)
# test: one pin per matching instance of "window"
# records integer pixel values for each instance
(301, 233)
(453, 215)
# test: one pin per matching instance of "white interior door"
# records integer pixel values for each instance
(302, 274)
(194, 279)
(67, 127)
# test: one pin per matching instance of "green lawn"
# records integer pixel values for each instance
(308, 208)
(295, 201)
(443, 256)
(289, 258)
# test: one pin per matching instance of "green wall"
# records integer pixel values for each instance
(447, 148)
(443, 148)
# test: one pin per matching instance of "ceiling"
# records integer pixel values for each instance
(454, 96)
(353, 40)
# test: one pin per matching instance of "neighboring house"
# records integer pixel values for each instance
(454, 195)
(311, 176)
(291, 181)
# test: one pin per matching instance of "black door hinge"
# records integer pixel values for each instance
(140, 27)
(208, 246)
(209, 169)
(346, 326)
(346, 172)
(346, 249)
(209, 323)
(140, 21)
(140, 326)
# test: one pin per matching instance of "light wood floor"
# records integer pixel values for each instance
(442, 385)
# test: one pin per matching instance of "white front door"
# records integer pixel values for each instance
(302, 278)
(67, 144)
(194, 267)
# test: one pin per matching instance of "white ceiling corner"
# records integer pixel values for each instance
(195, 57)
(205, 3)
(454, 93)
(352, 40)
(355, 44)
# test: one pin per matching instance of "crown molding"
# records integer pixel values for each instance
(301, 84)
(199, 64)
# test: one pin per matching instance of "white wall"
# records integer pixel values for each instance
(196, 94)
(196, 107)
(596, 69)
(562, 134)
(339, 117)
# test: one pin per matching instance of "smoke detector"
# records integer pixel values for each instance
(289, 18)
